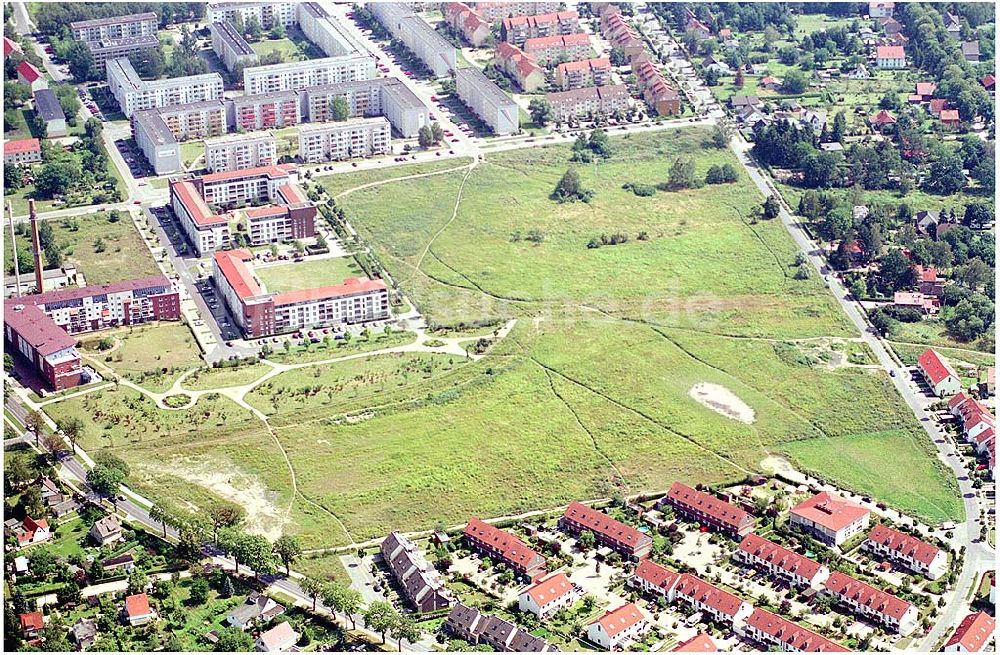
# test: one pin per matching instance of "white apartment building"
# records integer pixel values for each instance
(244, 186)
(324, 30)
(366, 98)
(266, 13)
(156, 142)
(204, 229)
(134, 94)
(301, 74)
(158, 131)
(102, 51)
(231, 47)
(116, 27)
(229, 153)
(487, 100)
(421, 39)
(362, 137)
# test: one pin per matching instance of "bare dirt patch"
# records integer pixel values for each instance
(720, 399)
(225, 480)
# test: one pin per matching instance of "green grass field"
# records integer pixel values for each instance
(153, 356)
(589, 394)
(336, 183)
(308, 274)
(286, 47)
(934, 333)
(103, 251)
(219, 378)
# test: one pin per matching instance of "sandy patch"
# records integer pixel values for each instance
(225, 480)
(720, 399)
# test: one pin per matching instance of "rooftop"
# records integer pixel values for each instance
(227, 32)
(621, 619)
(21, 145)
(113, 20)
(830, 511)
(484, 86)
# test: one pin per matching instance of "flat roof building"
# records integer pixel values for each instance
(230, 45)
(326, 32)
(359, 137)
(105, 49)
(268, 14)
(487, 101)
(421, 39)
(264, 111)
(382, 96)
(133, 94)
(115, 27)
(296, 75)
(158, 132)
(238, 151)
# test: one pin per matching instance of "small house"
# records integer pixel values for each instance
(137, 610)
(84, 633)
(258, 608)
(32, 624)
(278, 639)
(106, 530)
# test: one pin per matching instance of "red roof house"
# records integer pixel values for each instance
(137, 610)
(937, 105)
(548, 596)
(781, 562)
(700, 643)
(772, 630)
(9, 47)
(883, 118)
(31, 624)
(864, 599)
(988, 81)
(973, 634)
(618, 628)
(608, 531)
(906, 549)
(28, 74)
(707, 509)
(950, 117)
(652, 578)
(703, 596)
(939, 374)
(502, 545)
(830, 517)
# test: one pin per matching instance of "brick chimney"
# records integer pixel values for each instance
(36, 245)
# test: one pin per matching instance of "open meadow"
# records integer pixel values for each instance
(594, 390)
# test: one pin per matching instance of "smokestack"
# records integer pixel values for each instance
(13, 249)
(36, 244)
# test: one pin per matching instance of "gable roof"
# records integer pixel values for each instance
(510, 547)
(830, 511)
(137, 605)
(28, 71)
(864, 594)
(601, 523)
(780, 556)
(973, 632)
(278, 635)
(18, 146)
(791, 634)
(716, 508)
(656, 575)
(935, 366)
(926, 88)
(708, 594)
(32, 621)
(551, 588)
(904, 544)
(891, 52)
(621, 619)
(700, 643)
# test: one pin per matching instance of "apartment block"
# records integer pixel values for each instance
(230, 45)
(518, 29)
(22, 151)
(367, 98)
(158, 131)
(268, 14)
(246, 186)
(497, 11)
(589, 101)
(548, 50)
(487, 100)
(473, 27)
(523, 68)
(324, 30)
(206, 230)
(237, 151)
(116, 27)
(588, 72)
(102, 51)
(421, 39)
(361, 137)
(134, 94)
(51, 352)
(296, 75)
(264, 111)
(156, 142)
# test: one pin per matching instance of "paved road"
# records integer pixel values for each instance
(979, 556)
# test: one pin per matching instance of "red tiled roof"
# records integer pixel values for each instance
(973, 632)
(883, 118)
(780, 556)
(551, 588)
(864, 594)
(935, 367)
(28, 71)
(21, 145)
(32, 621)
(798, 639)
(271, 210)
(585, 64)
(195, 204)
(723, 512)
(708, 594)
(988, 81)
(949, 115)
(350, 287)
(700, 643)
(553, 17)
(137, 605)
(510, 547)
(278, 635)
(656, 575)
(958, 400)
(36, 327)
(832, 512)
(564, 41)
(261, 171)
(237, 274)
(904, 544)
(9, 46)
(505, 50)
(292, 194)
(600, 523)
(621, 619)
(937, 105)
(928, 274)
(926, 88)
(890, 52)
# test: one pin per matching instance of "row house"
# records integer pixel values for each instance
(265, 111)
(655, 580)
(721, 606)
(939, 374)
(780, 562)
(708, 510)
(548, 596)
(830, 518)
(580, 103)
(915, 554)
(503, 546)
(862, 599)
(700, 643)
(588, 72)
(473, 27)
(656, 91)
(471, 625)
(773, 631)
(521, 67)
(916, 300)
(619, 628)
(551, 49)
(518, 29)
(497, 11)
(626, 540)
(421, 583)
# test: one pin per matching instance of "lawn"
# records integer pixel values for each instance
(908, 353)
(219, 378)
(190, 151)
(152, 356)
(286, 47)
(337, 183)
(104, 251)
(933, 333)
(308, 274)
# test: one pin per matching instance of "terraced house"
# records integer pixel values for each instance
(778, 561)
(619, 628)
(549, 49)
(518, 29)
(503, 546)
(588, 72)
(420, 581)
(614, 534)
(772, 631)
(722, 606)
(654, 579)
(916, 555)
(865, 600)
(708, 510)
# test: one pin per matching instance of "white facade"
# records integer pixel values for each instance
(134, 94)
(230, 45)
(323, 30)
(934, 569)
(597, 634)
(421, 39)
(336, 141)
(229, 153)
(370, 306)
(119, 27)
(156, 142)
(301, 74)
(487, 100)
(266, 13)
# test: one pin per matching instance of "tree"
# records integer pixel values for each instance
(253, 29)
(618, 57)
(425, 137)
(771, 207)
(138, 581)
(719, 138)
(570, 188)
(224, 515)
(972, 318)
(541, 111)
(977, 215)
(80, 62)
(437, 132)
(234, 640)
(404, 628)
(199, 591)
(380, 617)
(586, 540)
(599, 143)
(340, 109)
(794, 82)
(105, 481)
(839, 126)
(945, 176)
(158, 514)
(973, 274)
(252, 550)
(682, 174)
(228, 591)
(287, 548)
(312, 588)
(56, 179)
(72, 427)
(12, 176)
